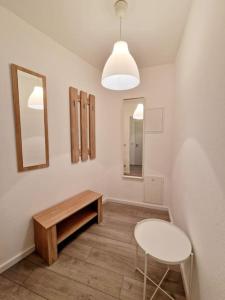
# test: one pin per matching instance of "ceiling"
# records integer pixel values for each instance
(152, 28)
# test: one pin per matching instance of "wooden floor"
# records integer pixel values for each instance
(97, 264)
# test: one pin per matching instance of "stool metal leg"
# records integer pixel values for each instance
(190, 277)
(145, 275)
(162, 290)
(161, 281)
(136, 257)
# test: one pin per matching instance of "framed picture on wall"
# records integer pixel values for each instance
(154, 120)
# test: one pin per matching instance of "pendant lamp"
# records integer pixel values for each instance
(120, 71)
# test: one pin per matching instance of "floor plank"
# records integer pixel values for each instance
(111, 261)
(56, 287)
(90, 274)
(135, 211)
(122, 235)
(99, 278)
(104, 243)
(11, 291)
(125, 265)
(19, 272)
(133, 289)
(78, 250)
(117, 217)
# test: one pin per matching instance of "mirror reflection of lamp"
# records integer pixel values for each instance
(35, 100)
(139, 112)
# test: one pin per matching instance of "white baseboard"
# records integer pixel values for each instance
(12, 261)
(135, 203)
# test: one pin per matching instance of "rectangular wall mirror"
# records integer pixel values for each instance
(30, 111)
(133, 121)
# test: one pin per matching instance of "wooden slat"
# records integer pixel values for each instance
(83, 125)
(74, 128)
(92, 144)
(55, 214)
(73, 223)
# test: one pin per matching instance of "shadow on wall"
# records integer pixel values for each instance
(198, 194)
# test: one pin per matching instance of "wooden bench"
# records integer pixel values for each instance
(55, 224)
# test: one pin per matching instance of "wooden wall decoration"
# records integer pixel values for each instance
(92, 127)
(82, 125)
(74, 128)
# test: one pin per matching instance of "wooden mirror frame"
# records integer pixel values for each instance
(16, 104)
(131, 176)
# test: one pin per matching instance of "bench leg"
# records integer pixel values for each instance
(46, 242)
(100, 210)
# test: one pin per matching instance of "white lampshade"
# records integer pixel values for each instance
(120, 71)
(35, 100)
(139, 112)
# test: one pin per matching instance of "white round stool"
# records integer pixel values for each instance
(165, 243)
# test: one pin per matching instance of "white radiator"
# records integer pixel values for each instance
(153, 186)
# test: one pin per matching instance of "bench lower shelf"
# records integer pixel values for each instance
(73, 223)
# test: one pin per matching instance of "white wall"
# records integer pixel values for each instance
(199, 153)
(23, 194)
(158, 88)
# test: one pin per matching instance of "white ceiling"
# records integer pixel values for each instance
(152, 28)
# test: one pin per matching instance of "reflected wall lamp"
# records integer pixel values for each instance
(139, 112)
(35, 100)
